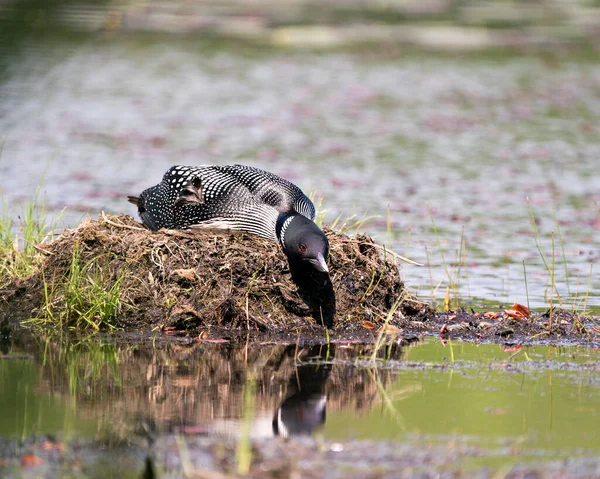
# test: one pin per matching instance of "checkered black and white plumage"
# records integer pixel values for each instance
(236, 197)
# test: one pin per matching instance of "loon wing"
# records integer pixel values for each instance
(252, 217)
(208, 183)
(234, 197)
(281, 194)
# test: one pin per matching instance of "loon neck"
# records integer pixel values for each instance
(283, 222)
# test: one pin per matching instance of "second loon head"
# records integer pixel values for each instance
(303, 241)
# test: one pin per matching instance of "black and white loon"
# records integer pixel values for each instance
(237, 197)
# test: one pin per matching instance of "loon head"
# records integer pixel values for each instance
(303, 242)
(300, 414)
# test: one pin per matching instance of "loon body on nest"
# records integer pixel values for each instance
(236, 197)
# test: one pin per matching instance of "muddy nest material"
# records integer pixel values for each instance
(195, 280)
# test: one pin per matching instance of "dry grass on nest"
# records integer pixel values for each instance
(198, 279)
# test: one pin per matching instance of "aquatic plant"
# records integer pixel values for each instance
(89, 301)
(349, 224)
(553, 295)
(20, 252)
(381, 340)
(453, 271)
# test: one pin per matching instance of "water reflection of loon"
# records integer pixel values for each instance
(303, 410)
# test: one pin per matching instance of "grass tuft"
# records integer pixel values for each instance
(538, 244)
(89, 302)
(85, 295)
(19, 240)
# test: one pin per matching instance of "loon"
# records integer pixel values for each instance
(237, 197)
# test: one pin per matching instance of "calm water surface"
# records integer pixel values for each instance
(418, 143)
(499, 407)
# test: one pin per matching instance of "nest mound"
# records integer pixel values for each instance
(195, 280)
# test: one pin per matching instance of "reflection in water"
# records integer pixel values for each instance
(189, 388)
(300, 412)
(481, 398)
(304, 409)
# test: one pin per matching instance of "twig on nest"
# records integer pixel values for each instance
(42, 249)
(119, 225)
(387, 250)
(261, 325)
(396, 255)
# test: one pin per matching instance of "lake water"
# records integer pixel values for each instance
(467, 407)
(448, 156)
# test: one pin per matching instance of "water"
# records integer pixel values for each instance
(477, 406)
(466, 144)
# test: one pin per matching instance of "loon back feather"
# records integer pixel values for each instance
(245, 197)
(236, 197)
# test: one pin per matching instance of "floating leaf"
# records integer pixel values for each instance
(517, 311)
(367, 324)
(52, 446)
(29, 460)
(512, 348)
(521, 308)
(392, 330)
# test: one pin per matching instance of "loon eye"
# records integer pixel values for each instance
(302, 248)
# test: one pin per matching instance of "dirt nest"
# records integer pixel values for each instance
(194, 280)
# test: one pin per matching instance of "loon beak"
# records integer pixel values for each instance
(319, 263)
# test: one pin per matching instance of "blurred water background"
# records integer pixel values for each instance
(449, 124)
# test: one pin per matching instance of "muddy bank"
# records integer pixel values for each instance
(557, 326)
(193, 282)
